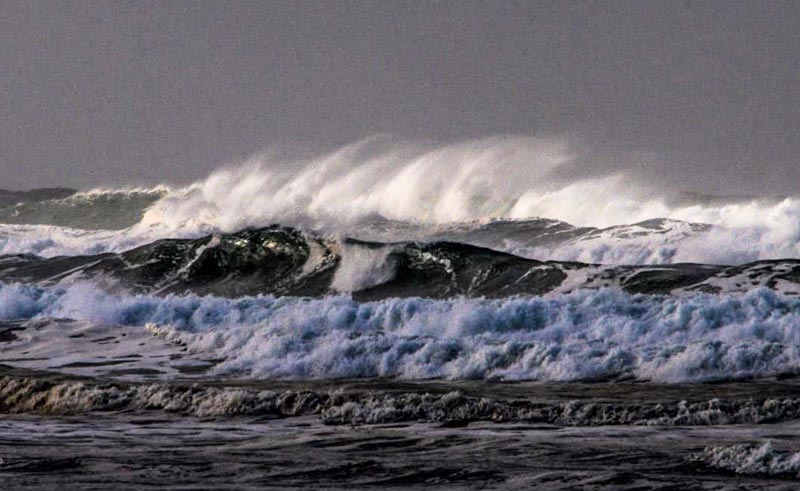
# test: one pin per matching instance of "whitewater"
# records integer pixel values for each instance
(475, 302)
(516, 195)
(378, 189)
(587, 335)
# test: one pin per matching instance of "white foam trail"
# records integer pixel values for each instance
(777, 237)
(51, 240)
(578, 336)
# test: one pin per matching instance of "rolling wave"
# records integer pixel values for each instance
(287, 262)
(584, 335)
(651, 242)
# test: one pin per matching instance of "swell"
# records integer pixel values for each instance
(113, 209)
(8, 197)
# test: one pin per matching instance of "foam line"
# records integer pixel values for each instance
(586, 335)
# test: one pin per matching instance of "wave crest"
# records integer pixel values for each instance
(378, 189)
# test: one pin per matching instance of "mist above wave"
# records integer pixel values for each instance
(484, 192)
(406, 189)
(500, 177)
(585, 335)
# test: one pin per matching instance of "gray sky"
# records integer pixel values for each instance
(702, 96)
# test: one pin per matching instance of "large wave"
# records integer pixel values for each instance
(586, 335)
(376, 189)
(508, 177)
(517, 178)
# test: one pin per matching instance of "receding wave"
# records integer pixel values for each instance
(43, 396)
(586, 335)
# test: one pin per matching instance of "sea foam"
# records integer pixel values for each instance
(746, 459)
(585, 335)
(356, 407)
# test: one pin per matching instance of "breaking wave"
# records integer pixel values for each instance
(496, 178)
(500, 177)
(381, 190)
(586, 335)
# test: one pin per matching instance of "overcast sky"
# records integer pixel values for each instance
(699, 95)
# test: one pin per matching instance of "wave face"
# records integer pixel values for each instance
(285, 261)
(585, 335)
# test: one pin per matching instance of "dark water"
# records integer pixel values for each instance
(147, 447)
(134, 451)
(284, 261)
(110, 401)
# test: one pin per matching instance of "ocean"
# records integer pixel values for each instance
(330, 325)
